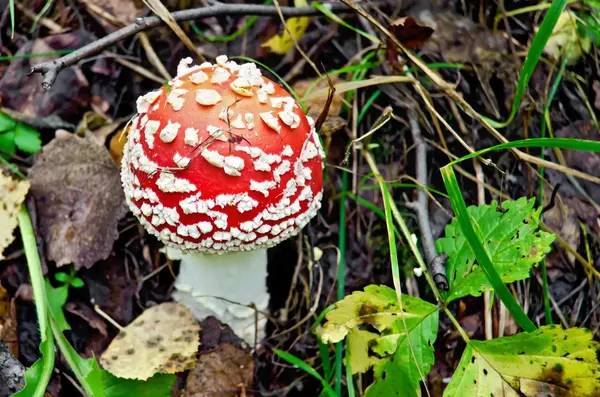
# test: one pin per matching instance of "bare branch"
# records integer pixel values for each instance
(51, 69)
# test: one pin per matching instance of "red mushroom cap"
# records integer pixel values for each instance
(222, 160)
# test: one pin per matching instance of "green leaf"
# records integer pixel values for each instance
(386, 339)
(6, 122)
(549, 361)
(511, 238)
(62, 277)
(87, 372)
(76, 282)
(7, 142)
(157, 386)
(38, 375)
(27, 138)
(57, 297)
(394, 383)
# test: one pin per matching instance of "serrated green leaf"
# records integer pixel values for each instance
(394, 383)
(386, 339)
(549, 361)
(27, 138)
(511, 238)
(38, 375)
(7, 142)
(157, 386)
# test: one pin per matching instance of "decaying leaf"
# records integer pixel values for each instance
(547, 362)
(12, 194)
(511, 237)
(8, 322)
(114, 13)
(566, 35)
(163, 339)
(283, 43)
(411, 34)
(79, 199)
(24, 93)
(226, 372)
(386, 343)
(562, 220)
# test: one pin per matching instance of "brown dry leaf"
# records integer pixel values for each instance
(562, 219)
(79, 199)
(24, 93)
(410, 33)
(12, 194)
(8, 322)
(163, 339)
(224, 372)
(114, 13)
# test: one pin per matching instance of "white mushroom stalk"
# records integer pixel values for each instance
(220, 166)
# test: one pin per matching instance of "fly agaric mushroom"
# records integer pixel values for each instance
(221, 165)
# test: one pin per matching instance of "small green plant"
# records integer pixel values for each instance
(17, 135)
(49, 303)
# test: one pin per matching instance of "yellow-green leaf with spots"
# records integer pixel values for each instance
(383, 337)
(548, 362)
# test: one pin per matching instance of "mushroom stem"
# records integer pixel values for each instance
(225, 286)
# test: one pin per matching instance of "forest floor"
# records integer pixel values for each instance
(418, 86)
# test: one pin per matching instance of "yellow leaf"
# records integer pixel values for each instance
(163, 339)
(282, 44)
(12, 194)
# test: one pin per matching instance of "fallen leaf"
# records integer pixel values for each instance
(283, 43)
(566, 35)
(225, 372)
(562, 220)
(117, 143)
(24, 93)
(79, 199)
(163, 339)
(113, 13)
(410, 33)
(88, 315)
(12, 194)
(8, 322)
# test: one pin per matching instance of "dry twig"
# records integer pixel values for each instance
(51, 69)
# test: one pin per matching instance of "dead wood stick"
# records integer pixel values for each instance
(51, 69)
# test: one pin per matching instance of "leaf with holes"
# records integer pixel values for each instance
(511, 237)
(382, 336)
(549, 362)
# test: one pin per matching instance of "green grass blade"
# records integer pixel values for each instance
(545, 116)
(39, 293)
(460, 210)
(40, 14)
(340, 21)
(561, 143)
(11, 7)
(349, 378)
(367, 105)
(533, 56)
(290, 358)
(341, 274)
